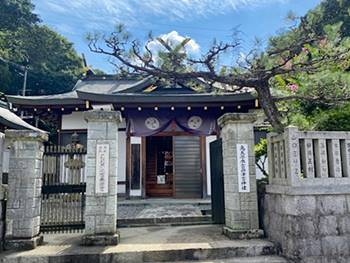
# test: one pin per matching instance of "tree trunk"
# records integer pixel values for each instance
(269, 106)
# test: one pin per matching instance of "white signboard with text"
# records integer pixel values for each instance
(243, 168)
(102, 168)
(161, 179)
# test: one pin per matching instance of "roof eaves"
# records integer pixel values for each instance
(10, 119)
(162, 98)
(56, 99)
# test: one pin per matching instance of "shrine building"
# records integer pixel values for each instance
(164, 136)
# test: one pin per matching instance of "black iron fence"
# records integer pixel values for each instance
(63, 190)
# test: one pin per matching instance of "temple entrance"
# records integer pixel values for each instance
(173, 167)
(159, 166)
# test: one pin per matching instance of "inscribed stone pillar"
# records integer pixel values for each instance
(101, 178)
(24, 188)
(241, 209)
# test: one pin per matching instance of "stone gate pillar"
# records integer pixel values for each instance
(24, 188)
(101, 178)
(241, 209)
(2, 193)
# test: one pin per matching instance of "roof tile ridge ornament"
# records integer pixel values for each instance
(139, 85)
(234, 117)
(114, 77)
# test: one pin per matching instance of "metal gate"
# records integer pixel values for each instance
(63, 190)
(217, 182)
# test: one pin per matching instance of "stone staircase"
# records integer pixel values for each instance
(256, 259)
(163, 212)
(199, 243)
(252, 251)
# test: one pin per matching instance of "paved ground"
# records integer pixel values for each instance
(144, 239)
(163, 207)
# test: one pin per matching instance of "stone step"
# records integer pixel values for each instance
(164, 221)
(229, 251)
(257, 259)
(147, 244)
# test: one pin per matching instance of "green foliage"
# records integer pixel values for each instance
(331, 12)
(260, 149)
(323, 91)
(53, 64)
(16, 13)
(334, 120)
(173, 57)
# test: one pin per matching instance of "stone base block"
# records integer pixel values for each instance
(24, 244)
(100, 240)
(242, 234)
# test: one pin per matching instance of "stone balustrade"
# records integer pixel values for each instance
(310, 158)
(307, 201)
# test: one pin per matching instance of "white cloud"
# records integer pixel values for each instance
(173, 39)
(130, 12)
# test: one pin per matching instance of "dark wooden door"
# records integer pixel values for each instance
(217, 182)
(157, 148)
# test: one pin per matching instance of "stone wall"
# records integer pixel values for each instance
(307, 201)
(310, 228)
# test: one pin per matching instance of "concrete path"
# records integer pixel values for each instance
(146, 244)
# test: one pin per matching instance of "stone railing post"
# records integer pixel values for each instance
(24, 188)
(291, 135)
(241, 204)
(101, 178)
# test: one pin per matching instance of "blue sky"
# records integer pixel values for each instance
(201, 20)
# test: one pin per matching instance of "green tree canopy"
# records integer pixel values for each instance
(305, 65)
(53, 64)
(321, 97)
(14, 14)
